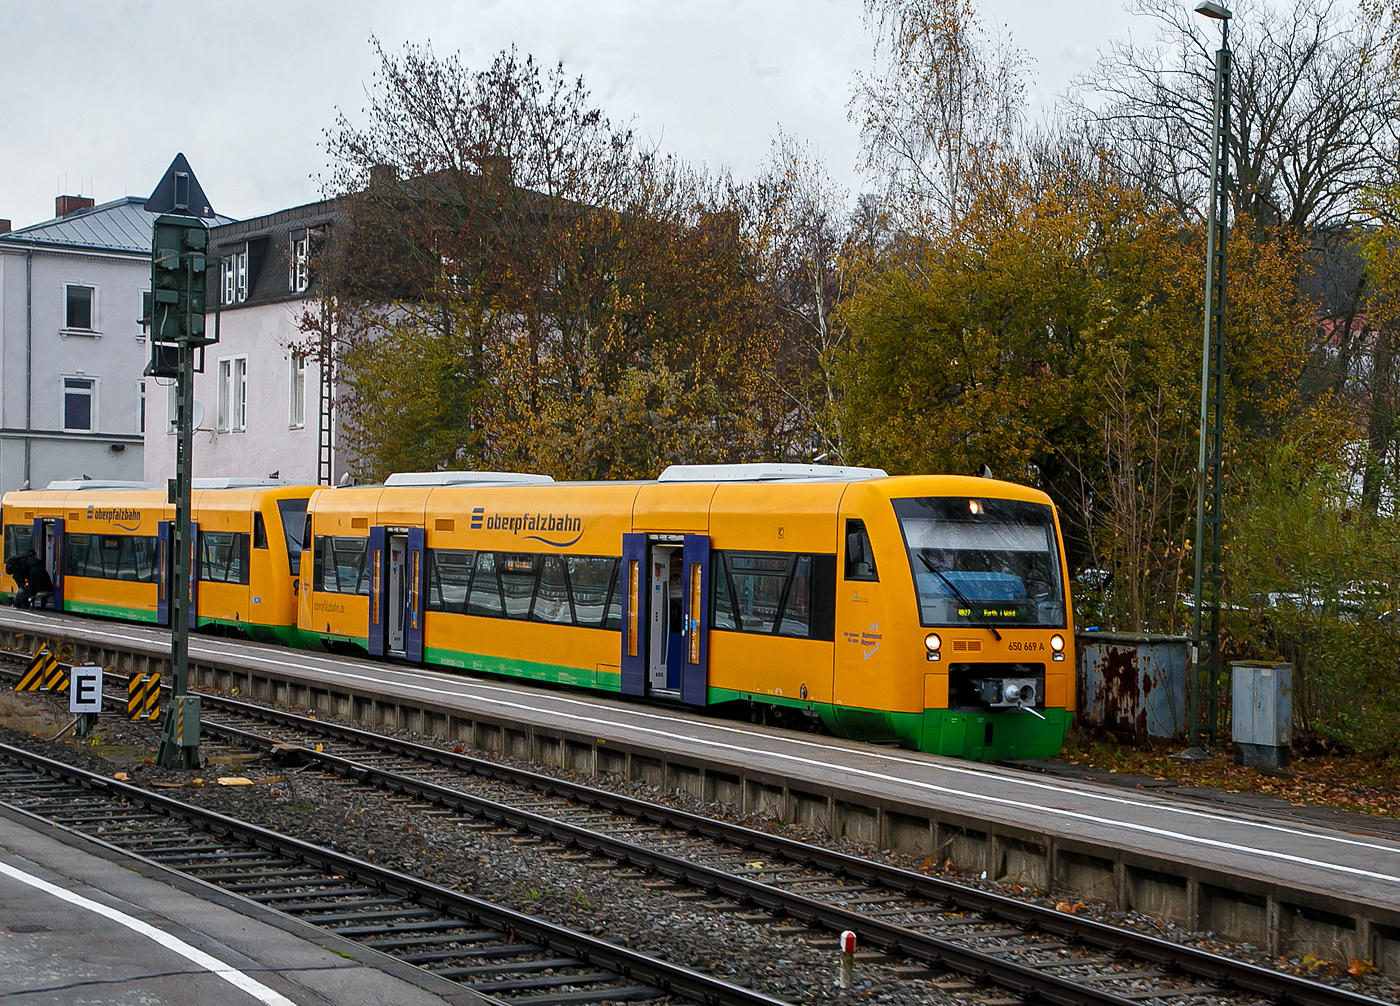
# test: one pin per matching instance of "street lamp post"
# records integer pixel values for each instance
(1210, 483)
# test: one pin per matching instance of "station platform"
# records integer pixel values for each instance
(1210, 867)
(81, 923)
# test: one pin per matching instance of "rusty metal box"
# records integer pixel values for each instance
(1133, 687)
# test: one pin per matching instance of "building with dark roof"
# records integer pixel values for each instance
(265, 408)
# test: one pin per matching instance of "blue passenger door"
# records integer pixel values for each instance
(377, 581)
(163, 572)
(413, 599)
(695, 588)
(48, 546)
(634, 618)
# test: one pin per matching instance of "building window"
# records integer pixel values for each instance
(299, 272)
(172, 405)
(296, 397)
(79, 411)
(234, 273)
(141, 394)
(233, 394)
(145, 320)
(80, 304)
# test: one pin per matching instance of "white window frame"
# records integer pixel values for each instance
(299, 265)
(234, 277)
(296, 390)
(233, 394)
(172, 406)
(141, 407)
(93, 393)
(94, 316)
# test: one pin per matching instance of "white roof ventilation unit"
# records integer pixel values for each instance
(70, 485)
(767, 473)
(466, 479)
(241, 483)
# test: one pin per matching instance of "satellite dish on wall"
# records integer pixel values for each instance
(198, 415)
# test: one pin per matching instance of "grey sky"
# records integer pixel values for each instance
(97, 97)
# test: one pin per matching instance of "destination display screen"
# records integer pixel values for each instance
(983, 561)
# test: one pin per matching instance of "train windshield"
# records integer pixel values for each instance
(983, 561)
(293, 513)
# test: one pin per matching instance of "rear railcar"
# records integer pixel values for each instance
(107, 548)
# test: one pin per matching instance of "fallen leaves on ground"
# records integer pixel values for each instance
(1356, 783)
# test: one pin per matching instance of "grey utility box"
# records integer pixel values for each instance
(1261, 713)
(1133, 687)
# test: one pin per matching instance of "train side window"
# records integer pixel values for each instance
(860, 560)
(823, 623)
(590, 578)
(614, 619)
(552, 593)
(485, 598)
(19, 539)
(760, 582)
(306, 535)
(722, 608)
(223, 556)
(449, 579)
(259, 531)
(318, 558)
(518, 572)
(797, 609)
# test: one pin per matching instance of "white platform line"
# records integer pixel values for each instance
(227, 972)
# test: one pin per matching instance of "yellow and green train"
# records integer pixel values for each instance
(928, 611)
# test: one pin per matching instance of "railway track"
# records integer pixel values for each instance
(1024, 948)
(510, 956)
(1021, 947)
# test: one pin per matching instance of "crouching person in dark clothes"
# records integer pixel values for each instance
(36, 586)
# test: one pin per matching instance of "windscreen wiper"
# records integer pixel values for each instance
(958, 594)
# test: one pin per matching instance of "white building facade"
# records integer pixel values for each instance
(73, 402)
(259, 398)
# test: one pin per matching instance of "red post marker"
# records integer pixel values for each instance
(848, 958)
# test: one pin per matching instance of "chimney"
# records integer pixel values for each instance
(382, 176)
(64, 206)
(4, 227)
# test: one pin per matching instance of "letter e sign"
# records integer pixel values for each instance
(85, 689)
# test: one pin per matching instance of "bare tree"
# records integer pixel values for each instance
(945, 95)
(1314, 123)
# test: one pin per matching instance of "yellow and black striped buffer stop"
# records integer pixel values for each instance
(43, 673)
(143, 696)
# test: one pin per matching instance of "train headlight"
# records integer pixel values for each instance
(933, 642)
(1057, 643)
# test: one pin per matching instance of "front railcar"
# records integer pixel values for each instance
(966, 646)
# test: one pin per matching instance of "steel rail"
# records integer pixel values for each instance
(1239, 975)
(668, 978)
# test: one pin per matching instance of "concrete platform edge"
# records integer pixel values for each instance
(449, 992)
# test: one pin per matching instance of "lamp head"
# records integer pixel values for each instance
(1212, 9)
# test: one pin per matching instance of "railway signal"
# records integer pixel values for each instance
(180, 262)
